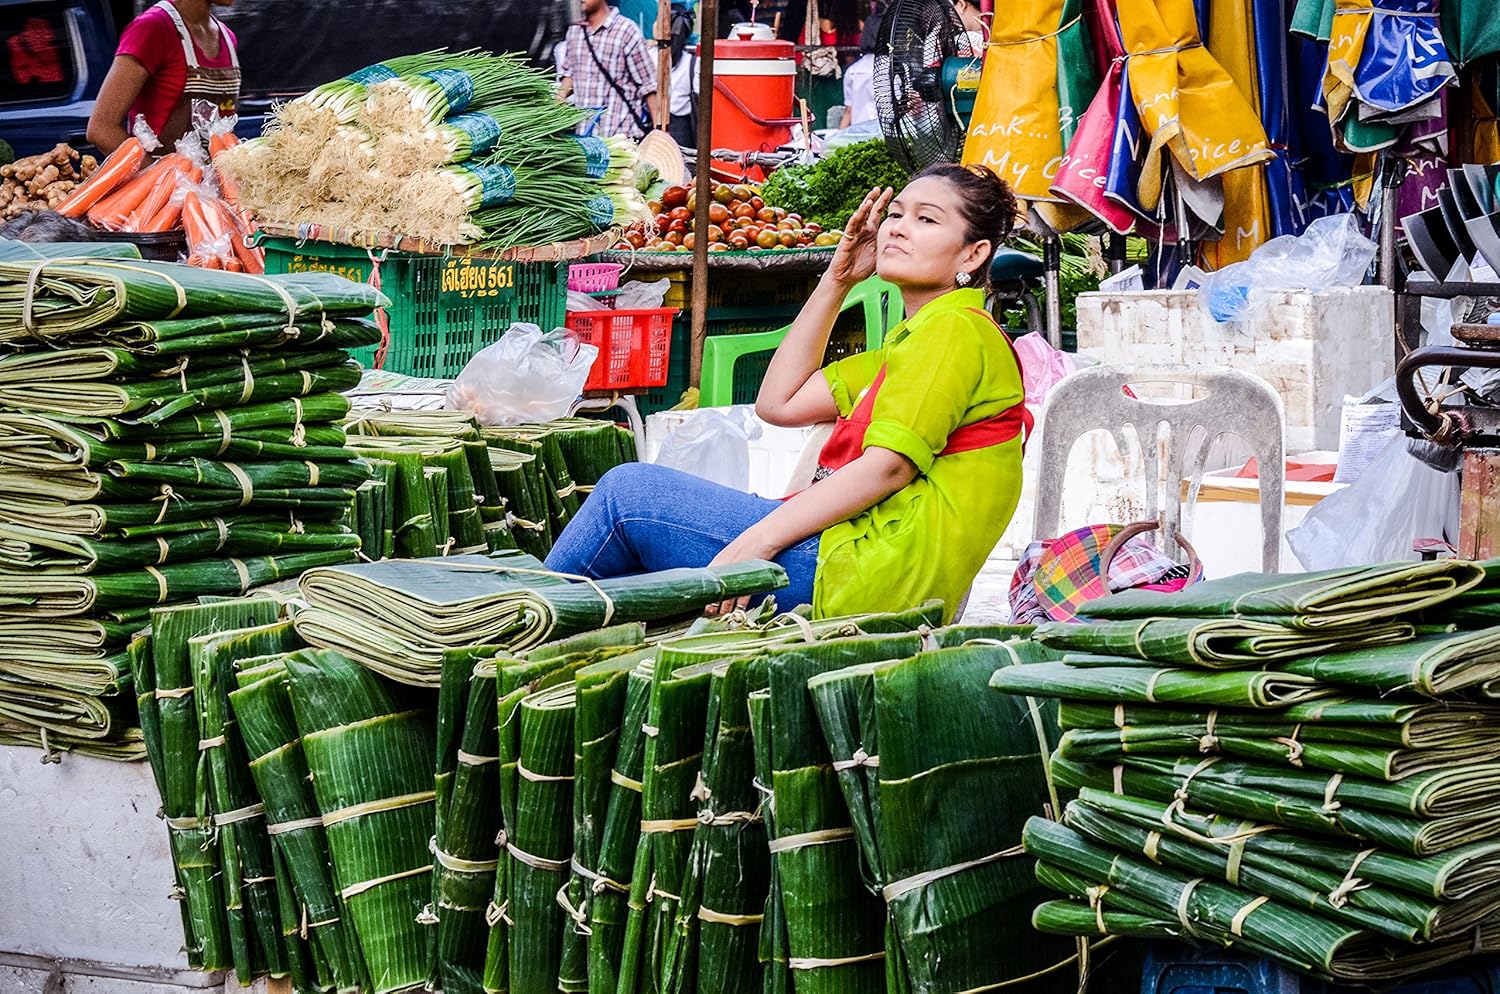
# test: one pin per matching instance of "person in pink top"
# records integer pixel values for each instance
(172, 59)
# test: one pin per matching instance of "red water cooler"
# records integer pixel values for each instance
(754, 95)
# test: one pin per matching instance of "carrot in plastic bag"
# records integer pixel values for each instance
(115, 210)
(122, 164)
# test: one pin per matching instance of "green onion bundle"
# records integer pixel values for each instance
(476, 133)
(345, 97)
(473, 80)
(520, 224)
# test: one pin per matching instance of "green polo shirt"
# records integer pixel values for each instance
(946, 366)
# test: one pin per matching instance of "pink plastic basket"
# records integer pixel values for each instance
(594, 277)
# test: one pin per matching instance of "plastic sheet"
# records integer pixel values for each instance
(527, 377)
(1332, 252)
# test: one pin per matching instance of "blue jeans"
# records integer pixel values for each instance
(643, 518)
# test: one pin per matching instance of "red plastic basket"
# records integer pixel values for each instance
(634, 346)
(594, 277)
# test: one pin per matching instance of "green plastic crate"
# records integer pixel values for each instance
(443, 308)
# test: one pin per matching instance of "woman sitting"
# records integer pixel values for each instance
(923, 470)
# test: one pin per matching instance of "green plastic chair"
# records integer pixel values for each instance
(883, 309)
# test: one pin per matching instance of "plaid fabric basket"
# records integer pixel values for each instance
(1058, 576)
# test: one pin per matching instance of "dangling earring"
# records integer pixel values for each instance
(962, 279)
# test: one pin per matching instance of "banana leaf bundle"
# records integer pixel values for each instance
(309, 975)
(1133, 682)
(245, 849)
(559, 490)
(904, 748)
(159, 513)
(69, 596)
(774, 949)
(371, 758)
(64, 299)
(601, 696)
(1080, 866)
(527, 508)
(169, 718)
(35, 551)
(1417, 724)
(834, 925)
(263, 710)
(1216, 643)
(379, 423)
(397, 617)
(591, 448)
(1358, 595)
(468, 819)
(461, 531)
(1424, 815)
(1343, 893)
(518, 678)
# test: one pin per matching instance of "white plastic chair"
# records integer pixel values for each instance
(1226, 401)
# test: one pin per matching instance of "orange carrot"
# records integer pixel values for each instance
(165, 219)
(156, 199)
(114, 171)
(221, 140)
(115, 210)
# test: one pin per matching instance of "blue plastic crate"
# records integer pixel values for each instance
(1174, 968)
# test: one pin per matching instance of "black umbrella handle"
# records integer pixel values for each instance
(1445, 426)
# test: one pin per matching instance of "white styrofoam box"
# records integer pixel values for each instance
(1314, 348)
(773, 456)
(87, 870)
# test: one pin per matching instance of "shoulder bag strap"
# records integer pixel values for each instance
(619, 91)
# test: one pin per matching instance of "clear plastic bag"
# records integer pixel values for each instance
(1332, 252)
(1042, 368)
(714, 444)
(1396, 501)
(527, 377)
(638, 295)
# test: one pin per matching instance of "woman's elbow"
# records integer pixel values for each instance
(895, 470)
(775, 413)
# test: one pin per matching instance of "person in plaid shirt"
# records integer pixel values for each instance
(608, 67)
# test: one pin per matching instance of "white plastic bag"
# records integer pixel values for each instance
(713, 443)
(1332, 252)
(638, 295)
(1042, 368)
(1397, 500)
(527, 377)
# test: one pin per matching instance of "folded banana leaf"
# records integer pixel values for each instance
(371, 762)
(165, 509)
(1185, 839)
(954, 636)
(1432, 666)
(68, 596)
(774, 951)
(220, 424)
(91, 672)
(186, 387)
(1149, 685)
(523, 491)
(461, 530)
(125, 746)
(397, 617)
(234, 331)
(1214, 913)
(1408, 724)
(13, 250)
(1427, 814)
(30, 442)
(65, 298)
(35, 551)
(167, 692)
(66, 712)
(244, 847)
(1310, 601)
(263, 709)
(82, 364)
(1271, 744)
(1215, 643)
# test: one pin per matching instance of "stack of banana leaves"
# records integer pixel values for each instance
(1305, 767)
(445, 486)
(166, 433)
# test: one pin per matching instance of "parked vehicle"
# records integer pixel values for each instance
(54, 53)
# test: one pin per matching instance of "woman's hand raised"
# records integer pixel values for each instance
(854, 260)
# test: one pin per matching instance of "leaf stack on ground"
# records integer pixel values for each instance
(1320, 787)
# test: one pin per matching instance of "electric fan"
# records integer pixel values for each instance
(926, 78)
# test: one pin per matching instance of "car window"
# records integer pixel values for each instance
(36, 53)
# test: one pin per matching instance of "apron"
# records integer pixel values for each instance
(217, 87)
(848, 439)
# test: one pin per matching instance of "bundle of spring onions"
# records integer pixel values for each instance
(423, 146)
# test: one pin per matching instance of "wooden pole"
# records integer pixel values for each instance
(703, 184)
(663, 64)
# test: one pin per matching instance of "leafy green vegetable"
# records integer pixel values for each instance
(829, 191)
